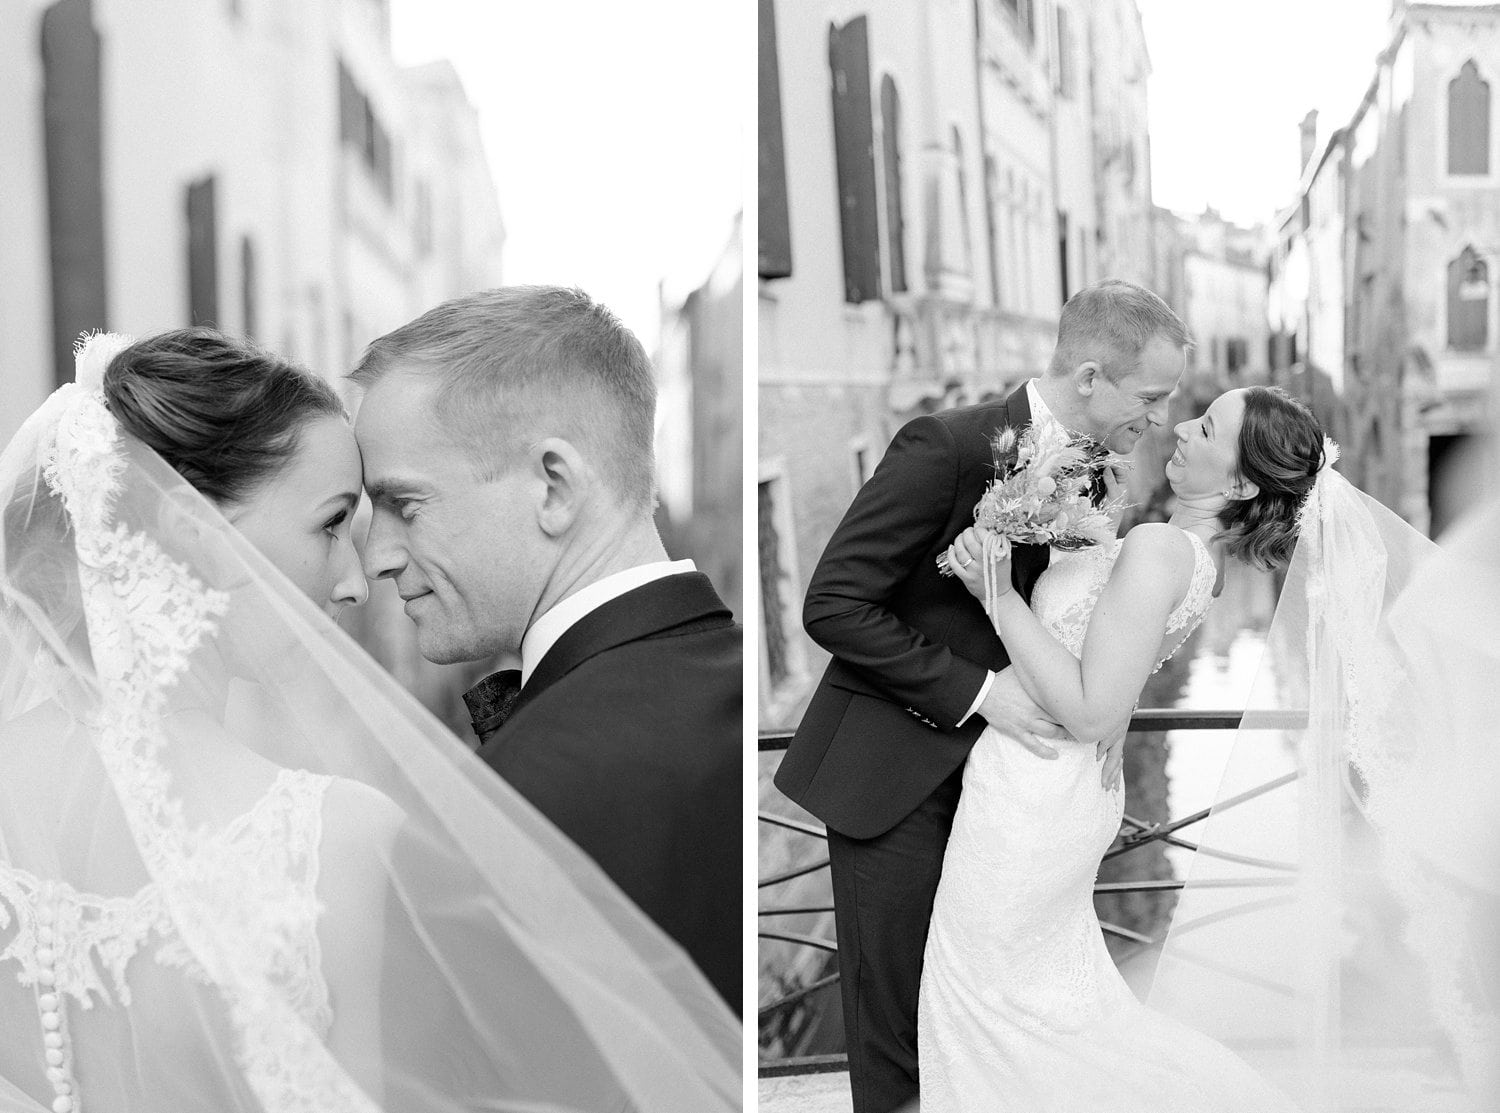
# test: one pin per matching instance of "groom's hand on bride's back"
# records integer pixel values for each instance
(1012, 712)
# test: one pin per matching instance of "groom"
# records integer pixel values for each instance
(507, 443)
(917, 671)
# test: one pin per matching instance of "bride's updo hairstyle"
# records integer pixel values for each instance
(222, 412)
(1280, 451)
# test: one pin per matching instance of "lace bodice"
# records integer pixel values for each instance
(1068, 590)
(77, 948)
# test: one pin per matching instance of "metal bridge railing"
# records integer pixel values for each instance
(1134, 834)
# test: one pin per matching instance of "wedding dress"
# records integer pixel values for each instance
(73, 945)
(1021, 1006)
(241, 869)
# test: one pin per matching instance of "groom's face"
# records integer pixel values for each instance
(460, 547)
(1121, 412)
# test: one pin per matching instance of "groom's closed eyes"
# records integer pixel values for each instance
(396, 495)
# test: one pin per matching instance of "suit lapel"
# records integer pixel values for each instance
(680, 603)
(1031, 560)
(1018, 409)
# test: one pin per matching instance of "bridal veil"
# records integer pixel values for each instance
(1340, 922)
(178, 932)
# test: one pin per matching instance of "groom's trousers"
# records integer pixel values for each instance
(883, 890)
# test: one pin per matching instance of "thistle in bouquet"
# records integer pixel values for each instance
(1040, 495)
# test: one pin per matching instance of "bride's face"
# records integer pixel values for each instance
(1204, 466)
(300, 518)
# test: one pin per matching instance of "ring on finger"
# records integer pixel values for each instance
(966, 563)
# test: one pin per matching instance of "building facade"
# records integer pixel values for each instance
(936, 177)
(700, 427)
(263, 166)
(1213, 273)
(1384, 277)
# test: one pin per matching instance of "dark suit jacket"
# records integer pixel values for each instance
(627, 737)
(910, 647)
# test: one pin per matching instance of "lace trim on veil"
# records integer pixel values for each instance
(146, 615)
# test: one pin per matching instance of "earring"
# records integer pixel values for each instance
(1229, 494)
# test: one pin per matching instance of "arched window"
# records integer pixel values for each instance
(1468, 122)
(895, 219)
(1468, 302)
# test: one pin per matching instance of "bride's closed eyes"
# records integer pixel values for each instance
(318, 486)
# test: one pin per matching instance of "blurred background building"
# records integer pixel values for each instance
(263, 166)
(935, 181)
(1382, 285)
(700, 434)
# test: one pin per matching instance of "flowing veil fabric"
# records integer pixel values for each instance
(240, 869)
(1338, 926)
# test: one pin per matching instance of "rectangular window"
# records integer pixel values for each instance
(361, 129)
(1236, 353)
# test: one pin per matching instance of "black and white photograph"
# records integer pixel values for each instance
(1127, 526)
(371, 618)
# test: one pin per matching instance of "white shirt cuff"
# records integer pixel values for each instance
(984, 690)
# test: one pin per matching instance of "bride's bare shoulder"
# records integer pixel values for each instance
(1157, 551)
(1158, 539)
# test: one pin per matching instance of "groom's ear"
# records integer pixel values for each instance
(566, 478)
(1086, 376)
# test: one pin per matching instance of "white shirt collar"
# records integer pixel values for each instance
(1040, 411)
(543, 634)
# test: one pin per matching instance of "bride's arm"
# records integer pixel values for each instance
(1092, 696)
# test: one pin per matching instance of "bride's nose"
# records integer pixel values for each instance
(352, 587)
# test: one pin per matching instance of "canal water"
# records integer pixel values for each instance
(1167, 775)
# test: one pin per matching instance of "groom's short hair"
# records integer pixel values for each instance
(518, 362)
(1112, 322)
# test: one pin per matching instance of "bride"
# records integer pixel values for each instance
(1021, 1006)
(239, 868)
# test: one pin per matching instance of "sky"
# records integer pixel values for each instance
(1230, 84)
(616, 133)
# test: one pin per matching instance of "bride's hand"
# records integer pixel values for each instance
(966, 558)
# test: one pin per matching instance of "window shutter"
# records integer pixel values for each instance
(775, 212)
(72, 109)
(895, 220)
(203, 258)
(247, 288)
(854, 148)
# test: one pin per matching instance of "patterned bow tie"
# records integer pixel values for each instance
(491, 701)
(1098, 458)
